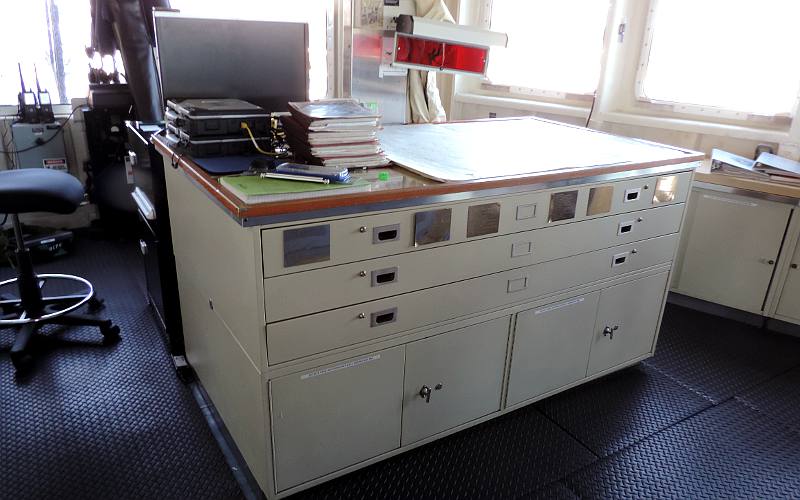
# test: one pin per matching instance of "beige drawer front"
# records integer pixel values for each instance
(347, 284)
(295, 338)
(313, 246)
(334, 416)
(453, 378)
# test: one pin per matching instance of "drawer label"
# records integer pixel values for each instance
(349, 364)
(559, 306)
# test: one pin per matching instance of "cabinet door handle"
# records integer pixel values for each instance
(793, 266)
(425, 393)
(771, 262)
(608, 331)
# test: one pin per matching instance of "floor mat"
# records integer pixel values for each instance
(728, 451)
(719, 358)
(98, 422)
(613, 412)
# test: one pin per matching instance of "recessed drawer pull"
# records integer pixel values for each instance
(625, 228)
(384, 276)
(619, 259)
(383, 234)
(383, 317)
(632, 194)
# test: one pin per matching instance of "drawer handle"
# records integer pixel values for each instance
(387, 235)
(632, 194)
(383, 234)
(625, 228)
(385, 317)
(620, 259)
(793, 266)
(608, 331)
(384, 276)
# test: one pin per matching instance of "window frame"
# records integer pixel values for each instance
(697, 111)
(486, 87)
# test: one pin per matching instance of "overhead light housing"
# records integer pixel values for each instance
(438, 46)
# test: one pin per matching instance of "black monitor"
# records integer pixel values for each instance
(262, 62)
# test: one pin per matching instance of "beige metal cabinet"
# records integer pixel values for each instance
(626, 322)
(731, 245)
(789, 303)
(453, 378)
(551, 347)
(334, 416)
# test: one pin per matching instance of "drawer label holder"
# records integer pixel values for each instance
(343, 366)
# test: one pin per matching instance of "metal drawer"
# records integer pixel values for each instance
(316, 245)
(316, 333)
(347, 284)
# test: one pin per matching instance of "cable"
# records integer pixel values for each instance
(591, 110)
(244, 126)
(39, 144)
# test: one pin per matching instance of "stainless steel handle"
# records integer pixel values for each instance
(143, 247)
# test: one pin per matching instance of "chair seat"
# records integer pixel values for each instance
(39, 190)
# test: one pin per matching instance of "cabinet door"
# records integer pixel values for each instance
(335, 416)
(732, 244)
(627, 320)
(462, 369)
(789, 303)
(551, 347)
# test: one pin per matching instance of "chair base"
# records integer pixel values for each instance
(21, 357)
(56, 310)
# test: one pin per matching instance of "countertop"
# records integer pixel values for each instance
(408, 188)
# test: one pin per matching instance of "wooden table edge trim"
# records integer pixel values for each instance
(241, 210)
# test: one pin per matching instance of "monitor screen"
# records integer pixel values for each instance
(262, 62)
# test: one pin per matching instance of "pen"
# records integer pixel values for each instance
(291, 177)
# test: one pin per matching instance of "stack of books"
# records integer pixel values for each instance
(334, 133)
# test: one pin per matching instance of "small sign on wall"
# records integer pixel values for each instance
(55, 163)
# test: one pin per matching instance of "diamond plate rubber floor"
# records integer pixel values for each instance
(618, 410)
(102, 422)
(96, 421)
(728, 451)
(719, 358)
(778, 399)
(503, 458)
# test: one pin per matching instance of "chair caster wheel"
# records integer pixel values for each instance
(110, 334)
(22, 361)
(96, 305)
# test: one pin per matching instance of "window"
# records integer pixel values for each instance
(52, 34)
(553, 45)
(316, 13)
(739, 56)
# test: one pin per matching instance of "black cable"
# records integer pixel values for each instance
(40, 144)
(591, 110)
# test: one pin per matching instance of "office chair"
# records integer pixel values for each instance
(42, 190)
